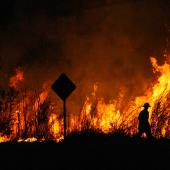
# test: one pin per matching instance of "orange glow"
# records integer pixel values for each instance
(55, 126)
(4, 139)
(18, 77)
(96, 113)
(28, 140)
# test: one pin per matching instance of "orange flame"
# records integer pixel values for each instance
(96, 113)
(17, 78)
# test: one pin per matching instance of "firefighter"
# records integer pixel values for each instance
(144, 126)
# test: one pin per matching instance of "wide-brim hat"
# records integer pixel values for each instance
(146, 105)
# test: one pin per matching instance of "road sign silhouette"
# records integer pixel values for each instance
(63, 87)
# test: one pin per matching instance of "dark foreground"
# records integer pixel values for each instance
(87, 151)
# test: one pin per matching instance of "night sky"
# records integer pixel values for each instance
(104, 41)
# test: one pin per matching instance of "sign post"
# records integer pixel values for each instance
(63, 87)
(65, 117)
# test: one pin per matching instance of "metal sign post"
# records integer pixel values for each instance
(65, 119)
(63, 87)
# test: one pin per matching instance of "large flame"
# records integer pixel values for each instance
(32, 117)
(106, 117)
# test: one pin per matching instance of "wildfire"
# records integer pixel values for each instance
(55, 126)
(28, 140)
(17, 78)
(106, 117)
(31, 117)
(4, 139)
(100, 115)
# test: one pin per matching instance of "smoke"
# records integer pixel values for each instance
(91, 41)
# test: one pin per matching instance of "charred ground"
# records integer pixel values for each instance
(88, 150)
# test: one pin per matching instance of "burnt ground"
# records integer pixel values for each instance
(87, 151)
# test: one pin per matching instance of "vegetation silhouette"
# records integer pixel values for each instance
(89, 150)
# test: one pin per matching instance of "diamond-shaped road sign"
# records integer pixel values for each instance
(63, 86)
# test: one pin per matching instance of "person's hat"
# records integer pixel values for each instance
(146, 105)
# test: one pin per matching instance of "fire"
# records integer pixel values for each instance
(158, 96)
(28, 140)
(102, 116)
(17, 78)
(31, 116)
(106, 117)
(163, 85)
(55, 126)
(4, 139)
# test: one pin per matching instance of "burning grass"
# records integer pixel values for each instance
(30, 115)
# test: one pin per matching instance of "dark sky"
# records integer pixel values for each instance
(105, 41)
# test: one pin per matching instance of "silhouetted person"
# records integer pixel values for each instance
(144, 126)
